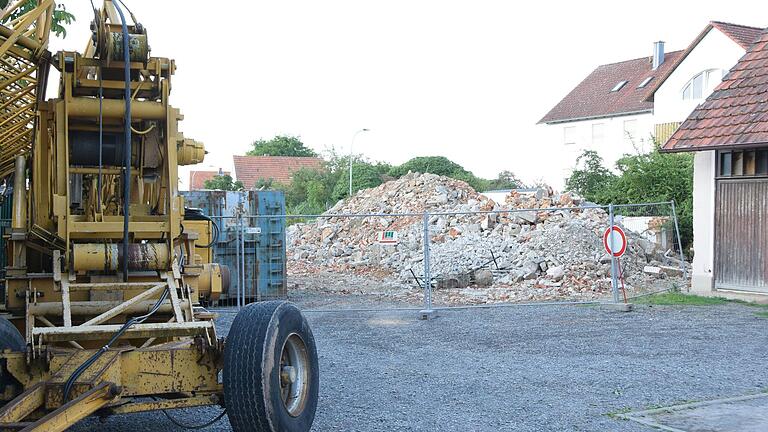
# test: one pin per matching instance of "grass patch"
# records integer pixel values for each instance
(675, 298)
(751, 304)
(616, 415)
(763, 314)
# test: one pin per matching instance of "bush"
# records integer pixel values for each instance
(364, 176)
(223, 182)
(650, 177)
(281, 145)
(439, 165)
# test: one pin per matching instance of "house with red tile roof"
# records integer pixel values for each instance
(729, 134)
(628, 106)
(197, 178)
(279, 169)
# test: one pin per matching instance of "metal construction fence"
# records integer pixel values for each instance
(439, 259)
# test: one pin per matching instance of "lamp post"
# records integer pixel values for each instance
(350, 157)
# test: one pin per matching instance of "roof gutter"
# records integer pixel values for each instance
(715, 147)
(597, 117)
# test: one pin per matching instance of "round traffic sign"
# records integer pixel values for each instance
(615, 241)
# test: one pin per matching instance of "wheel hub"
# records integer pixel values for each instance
(294, 374)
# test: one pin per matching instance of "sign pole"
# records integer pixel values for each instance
(427, 312)
(614, 281)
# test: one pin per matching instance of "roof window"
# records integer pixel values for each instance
(645, 82)
(619, 86)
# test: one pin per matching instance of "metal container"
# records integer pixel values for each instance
(243, 217)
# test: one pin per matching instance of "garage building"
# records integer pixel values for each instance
(729, 133)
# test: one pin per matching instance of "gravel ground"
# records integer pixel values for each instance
(522, 368)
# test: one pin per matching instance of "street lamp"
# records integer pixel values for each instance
(350, 157)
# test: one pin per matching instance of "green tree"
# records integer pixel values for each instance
(313, 191)
(590, 179)
(505, 180)
(281, 145)
(642, 178)
(439, 165)
(309, 191)
(264, 184)
(224, 182)
(61, 16)
(656, 177)
(364, 175)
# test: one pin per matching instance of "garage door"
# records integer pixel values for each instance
(741, 235)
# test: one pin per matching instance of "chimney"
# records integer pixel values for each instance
(658, 54)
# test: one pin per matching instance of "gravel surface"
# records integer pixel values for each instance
(522, 368)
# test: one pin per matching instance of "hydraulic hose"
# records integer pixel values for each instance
(127, 128)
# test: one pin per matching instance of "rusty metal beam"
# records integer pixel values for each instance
(76, 410)
(138, 331)
(24, 404)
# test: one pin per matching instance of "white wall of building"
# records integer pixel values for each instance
(717, 52)
(611, 137)
(703, 221)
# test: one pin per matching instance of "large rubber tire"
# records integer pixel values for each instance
(10, 338)
(255, 367)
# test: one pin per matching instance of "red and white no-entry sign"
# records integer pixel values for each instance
(615, 241)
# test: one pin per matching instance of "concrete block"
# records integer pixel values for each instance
(618, 307)
(427, 314)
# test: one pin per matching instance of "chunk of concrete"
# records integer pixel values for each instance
(652, 270)
(483, 278)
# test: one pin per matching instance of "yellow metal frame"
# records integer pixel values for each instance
(23, 73)
(63, 290)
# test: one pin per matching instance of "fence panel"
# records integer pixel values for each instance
(479, 256)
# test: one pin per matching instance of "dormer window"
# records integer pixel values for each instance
(619, 86)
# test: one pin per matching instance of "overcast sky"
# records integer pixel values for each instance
(463, 79)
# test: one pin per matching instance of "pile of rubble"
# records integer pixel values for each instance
(557, 251)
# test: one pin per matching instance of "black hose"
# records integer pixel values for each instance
(197, 214)
(193, 427)
(127, 127)
(92, 359)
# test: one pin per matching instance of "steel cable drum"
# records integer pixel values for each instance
(27, 70)
(138, 47)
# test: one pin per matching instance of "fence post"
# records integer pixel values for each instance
(614, 279)
(679, 243)
(242, 259)
(427, 312)
(236, 229)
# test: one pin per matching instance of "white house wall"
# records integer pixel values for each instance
(561, 157)
(703, 221)
(715, 51)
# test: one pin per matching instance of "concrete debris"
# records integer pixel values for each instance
(652, 270)
(553, 253)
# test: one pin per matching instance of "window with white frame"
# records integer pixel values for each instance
(598, 134)
(569, 135)
(701, 85)
(630, 131)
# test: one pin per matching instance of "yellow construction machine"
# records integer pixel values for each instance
(106, 270)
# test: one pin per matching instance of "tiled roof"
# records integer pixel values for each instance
(736, 113)
(250, 169)
(741, 34)
(593, 97)
(197, 178)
